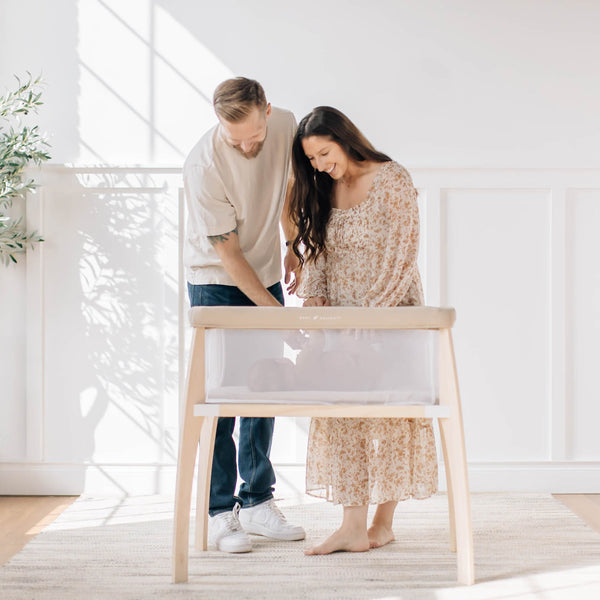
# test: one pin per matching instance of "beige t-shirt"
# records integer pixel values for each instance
(225, 190)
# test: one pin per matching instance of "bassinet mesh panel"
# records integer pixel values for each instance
(322, 366)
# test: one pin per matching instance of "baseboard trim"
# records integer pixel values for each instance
(553, 477)
(60, 479)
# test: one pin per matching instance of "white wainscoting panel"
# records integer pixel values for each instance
(496, 259)
(583, 317)
(13, 409)
(111, 321)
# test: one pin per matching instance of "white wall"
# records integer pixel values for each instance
(506, 83)
(493, 107)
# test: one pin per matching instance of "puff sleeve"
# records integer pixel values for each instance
(313, 279)
(398, 267)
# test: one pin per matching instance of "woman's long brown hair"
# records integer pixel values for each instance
(311, 194)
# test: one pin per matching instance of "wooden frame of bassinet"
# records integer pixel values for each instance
(199, 421)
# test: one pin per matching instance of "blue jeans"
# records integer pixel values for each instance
(256, 434)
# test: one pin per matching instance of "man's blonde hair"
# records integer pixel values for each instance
(234, 99)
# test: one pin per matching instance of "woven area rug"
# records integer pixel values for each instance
(526, 546)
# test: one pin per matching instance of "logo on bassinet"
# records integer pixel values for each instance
(321, 318)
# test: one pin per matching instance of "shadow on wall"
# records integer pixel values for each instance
(112, 339)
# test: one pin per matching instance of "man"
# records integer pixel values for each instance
(237, 190)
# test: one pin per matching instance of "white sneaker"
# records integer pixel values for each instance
(225, 531)
(266, 519)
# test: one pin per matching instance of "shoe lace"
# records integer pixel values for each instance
(275, 512)
(231, 520)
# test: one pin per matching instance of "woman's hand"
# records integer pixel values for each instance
(291, 265)
(316, 301)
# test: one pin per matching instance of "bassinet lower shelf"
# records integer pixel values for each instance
(230, 409)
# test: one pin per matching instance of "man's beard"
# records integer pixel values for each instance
(255, 152)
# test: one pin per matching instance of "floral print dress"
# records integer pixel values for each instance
(371, 260)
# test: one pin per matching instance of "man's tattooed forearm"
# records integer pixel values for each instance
(223, 237)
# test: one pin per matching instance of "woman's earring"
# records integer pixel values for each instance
(315, 176)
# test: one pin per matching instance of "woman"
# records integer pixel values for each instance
(357, 218)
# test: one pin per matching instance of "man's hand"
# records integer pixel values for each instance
(291, 264)
(316, 301)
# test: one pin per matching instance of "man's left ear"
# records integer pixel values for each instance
(268, 113)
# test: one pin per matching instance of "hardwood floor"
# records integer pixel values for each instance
(23, 517)
(586, 506)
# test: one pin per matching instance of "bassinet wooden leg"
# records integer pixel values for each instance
(207, 445)
(183, 498)
(451, 514)
(453, 436)
(188, 447)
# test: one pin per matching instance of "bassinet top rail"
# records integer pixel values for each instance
(335, 317)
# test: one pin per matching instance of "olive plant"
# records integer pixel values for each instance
(20, 146)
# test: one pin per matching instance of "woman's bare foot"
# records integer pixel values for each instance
(341, 540)
(379, 535)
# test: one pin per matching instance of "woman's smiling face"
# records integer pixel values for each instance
(325, 155)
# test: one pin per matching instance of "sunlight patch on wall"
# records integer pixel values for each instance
(145, 86)
(87, 399)
(185, 78)
(114, 103)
